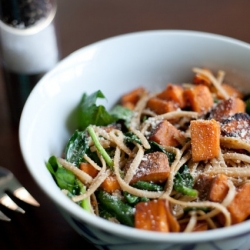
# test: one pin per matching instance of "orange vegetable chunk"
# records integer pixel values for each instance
(153, 167)
(130, 99)
(167, 134)
(160, 106)
(202, 79)
(89, 169)
(199, 98)
(154, 216)
(200, 226)
(175, 93)
(205, 139)
(219, 188)
(231, 91)
(110, 184)
(239, 208)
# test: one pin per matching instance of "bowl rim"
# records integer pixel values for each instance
(124, 231)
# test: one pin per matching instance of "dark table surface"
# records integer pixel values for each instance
(79, 23)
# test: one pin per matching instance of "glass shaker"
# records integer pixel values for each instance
(29, 47)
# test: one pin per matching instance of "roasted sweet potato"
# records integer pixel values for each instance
(200, 226)
(130, 99)
(227, 108)
(199, 98)
(110, 184)
(89, 169)
(205, 139)
(166, 134)
(239, 208)
(155, 215)
(153, 167)
(201, 79)
(219, 188)
(173, 92)
(160, 106)
(237, 125)
(231, 91)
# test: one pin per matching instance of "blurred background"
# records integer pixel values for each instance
(80, 23)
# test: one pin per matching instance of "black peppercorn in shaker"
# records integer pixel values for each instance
(29, 47)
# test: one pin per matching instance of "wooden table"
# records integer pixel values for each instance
(80, 23)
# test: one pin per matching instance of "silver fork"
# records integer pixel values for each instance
(8, 182)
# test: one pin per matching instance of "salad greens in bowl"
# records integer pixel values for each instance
(141, 140)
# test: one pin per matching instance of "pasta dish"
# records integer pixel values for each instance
(173, 161)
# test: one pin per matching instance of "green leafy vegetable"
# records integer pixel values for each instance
(63, 177)
(116, 207)
(144, 185)
(85, 204)
(132, 199)
(204, 209)
(90, 113)
(122, 113)
(99, 147)
(76, 147)
(183, 182)
(130, 137)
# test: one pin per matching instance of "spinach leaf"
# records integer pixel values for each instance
(204, 209)
(116, 207)
(122, 113)
(132, 199)
(144, 185)
(64, 178)
(130, 137)
(90, 113)
(76, 147)
(183, 182)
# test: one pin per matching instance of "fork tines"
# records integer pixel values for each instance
(8, 182)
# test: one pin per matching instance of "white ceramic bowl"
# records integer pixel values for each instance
(115, 66)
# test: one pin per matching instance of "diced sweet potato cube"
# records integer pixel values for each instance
(129, 105)
(110, 184)
(200, 226)
(153, 167)
(167, 134)
(231, 91)
(219, 188)
(199, 98)
(130, 99)
(237, 125)
(173, 92)
(89, 169)
(202, 79)
(205, 139)
(239, 208)
(154, 216)
(227, 108)
(173, 223)
(160, 106)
